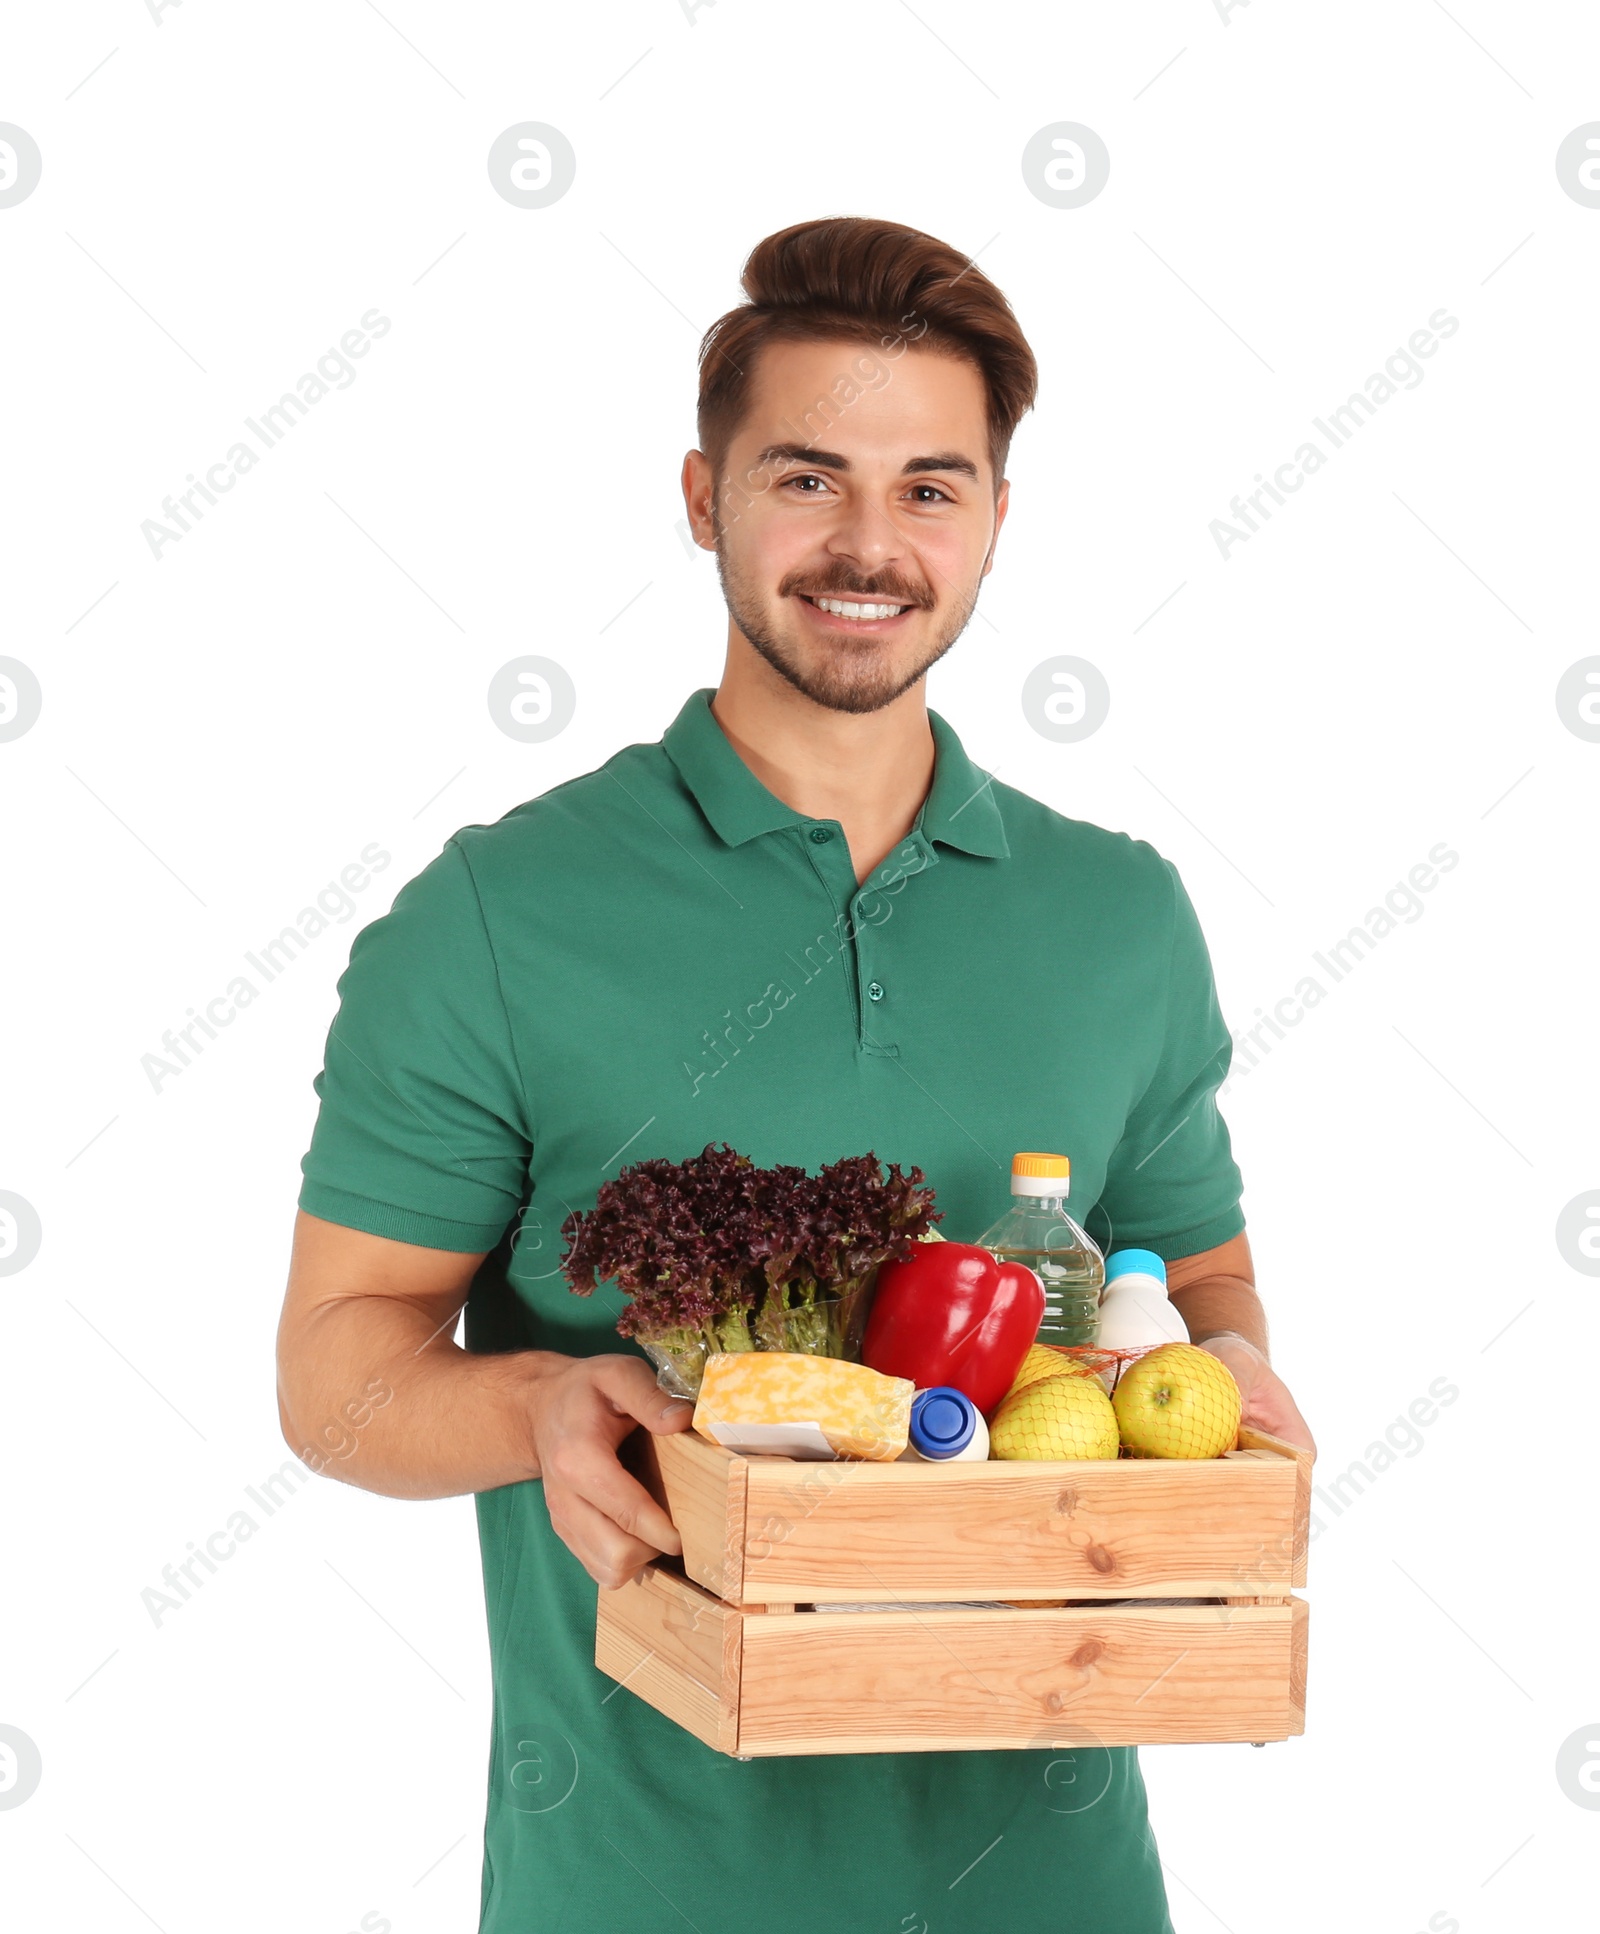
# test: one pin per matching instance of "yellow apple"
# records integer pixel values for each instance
(1178, 1401)
(1043, 1361)
(1055, 1417)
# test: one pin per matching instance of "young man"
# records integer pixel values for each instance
(805, 924)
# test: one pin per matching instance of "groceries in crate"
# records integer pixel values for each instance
(951, 1314)
(1036, 1230)
(824, 1316)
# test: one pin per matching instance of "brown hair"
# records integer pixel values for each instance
(872, 282)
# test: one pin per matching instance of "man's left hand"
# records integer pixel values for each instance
(1267, 1403)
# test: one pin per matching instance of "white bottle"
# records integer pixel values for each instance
(1135, 1310)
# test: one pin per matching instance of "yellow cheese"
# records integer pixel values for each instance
(859, 1411)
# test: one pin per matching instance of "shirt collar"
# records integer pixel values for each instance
(960, 809)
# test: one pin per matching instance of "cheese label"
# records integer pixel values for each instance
(803, 1440)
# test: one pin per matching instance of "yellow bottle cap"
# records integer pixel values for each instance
(1054, 1166)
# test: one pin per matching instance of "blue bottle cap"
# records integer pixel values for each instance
(1136, 1262)
(943, 1421)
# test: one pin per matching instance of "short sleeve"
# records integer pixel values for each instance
(422, 1133)
(1172, 1185)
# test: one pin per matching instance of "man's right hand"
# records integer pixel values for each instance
(373, 1389)
(582, 1409)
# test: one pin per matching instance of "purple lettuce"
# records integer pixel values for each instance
(720, 1254)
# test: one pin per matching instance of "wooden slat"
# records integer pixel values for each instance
(678, 1649)
(702, 1488)
(1014, 1530)
(864, 1682)
(772, 1530)
(1300, 1633)
(1260, 1440)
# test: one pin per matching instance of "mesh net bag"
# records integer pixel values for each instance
(1110, 1366)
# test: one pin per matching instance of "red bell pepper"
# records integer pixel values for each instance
(953, 1314)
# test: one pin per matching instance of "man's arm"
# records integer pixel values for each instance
(1215, 1294)
(373, 1390)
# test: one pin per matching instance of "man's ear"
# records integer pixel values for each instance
(697, 499)
(1002, 503)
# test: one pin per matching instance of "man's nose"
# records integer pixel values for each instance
(866, 538)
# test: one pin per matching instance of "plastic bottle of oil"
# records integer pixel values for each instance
(1037, 1230)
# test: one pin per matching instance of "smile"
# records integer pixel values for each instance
(862, 613)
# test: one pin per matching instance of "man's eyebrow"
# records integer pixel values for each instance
(831, 460)
(802, 453)
(946, 460)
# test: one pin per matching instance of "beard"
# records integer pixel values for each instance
(858, 675)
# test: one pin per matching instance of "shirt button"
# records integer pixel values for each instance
(874, 991)
(820, 835)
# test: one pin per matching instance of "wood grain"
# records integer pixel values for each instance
(1260, 1440)
(702, 1487)
(865, 1682)
(677, 1648)
(1301, 1613)
(772, 1534)
(1102, 1529)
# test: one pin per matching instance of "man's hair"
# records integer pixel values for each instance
(864, 281)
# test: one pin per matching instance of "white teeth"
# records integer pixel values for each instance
(841, 609)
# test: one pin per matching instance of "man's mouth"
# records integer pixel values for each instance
(856, 610)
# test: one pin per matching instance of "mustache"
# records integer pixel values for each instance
(886, 587)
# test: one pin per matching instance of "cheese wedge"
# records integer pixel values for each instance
(859, 1411)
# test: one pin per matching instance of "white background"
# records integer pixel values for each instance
(1293, 191)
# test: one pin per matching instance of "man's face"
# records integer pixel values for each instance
(855, 516)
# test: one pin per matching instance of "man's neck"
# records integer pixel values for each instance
(869, 770)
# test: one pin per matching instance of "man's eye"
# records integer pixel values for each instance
(936, 494)
(808, 478)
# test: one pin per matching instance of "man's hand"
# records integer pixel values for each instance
(1214, 1292)
(1267, 1403)
(374, 1389)
(581, 1412)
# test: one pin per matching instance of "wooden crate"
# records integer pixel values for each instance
(772, 1531)
(729, 1647)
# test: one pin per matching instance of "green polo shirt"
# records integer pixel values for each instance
(661, 954)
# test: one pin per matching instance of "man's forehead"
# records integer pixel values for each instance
(810, 360)
(851, 400)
